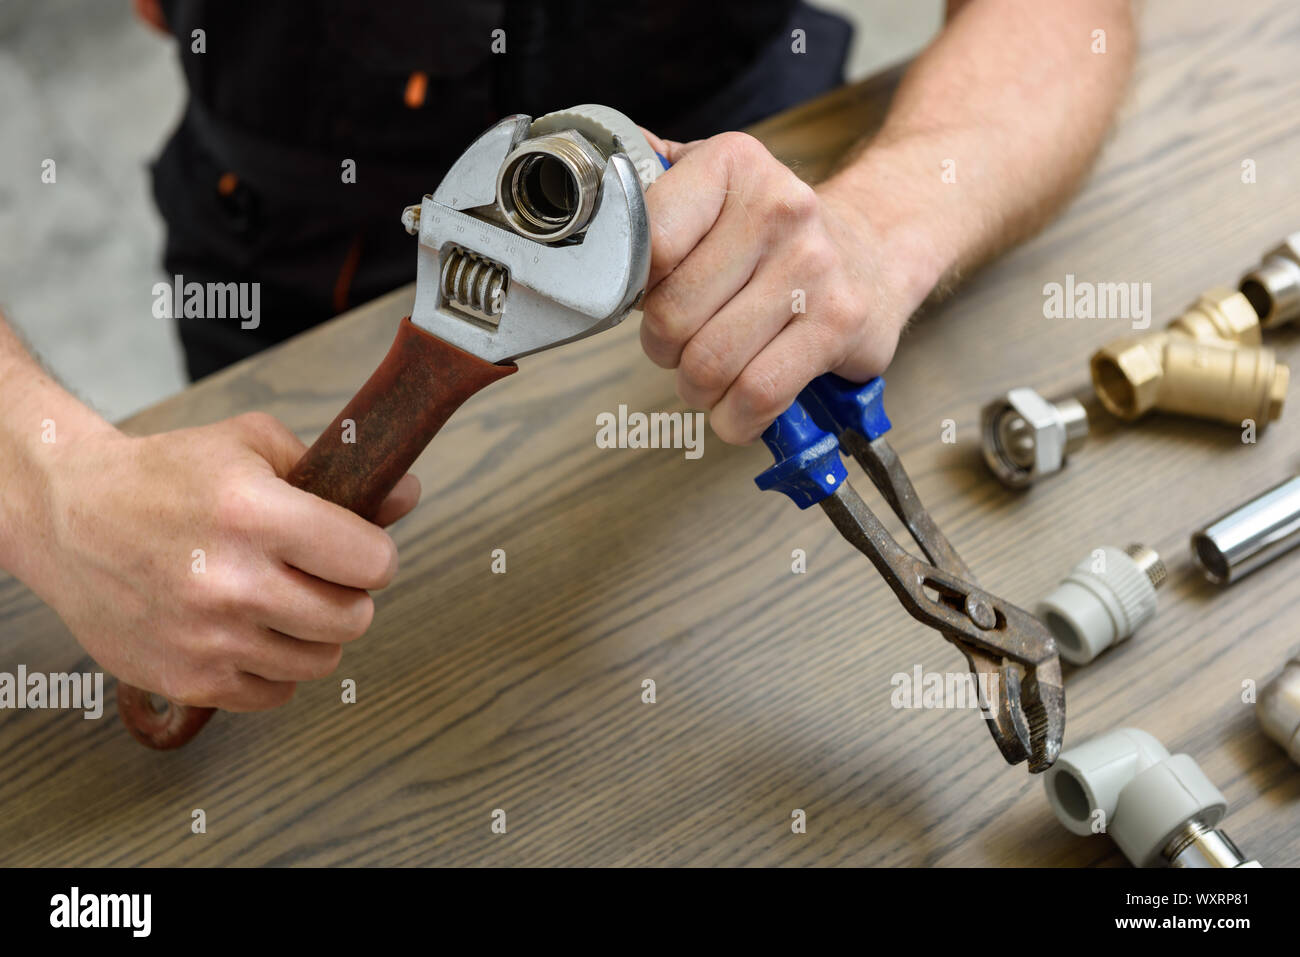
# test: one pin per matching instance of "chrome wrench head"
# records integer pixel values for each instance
(484, 287)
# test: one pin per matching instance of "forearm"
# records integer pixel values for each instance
(991, 130)
(36, 416)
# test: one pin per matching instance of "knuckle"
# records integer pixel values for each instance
(225, 596)
(669, 243)
(760, 396)
(664, 318)
(813, 252)
(324, 662)
(219, 649)
(279, 693)
(257, 419)
(703, 370)
(741, 146)
(785, 200)
(259, 423)
(798, 198)
(239, 506)
(842, 313)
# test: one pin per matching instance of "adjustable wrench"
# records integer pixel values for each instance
(537, 236)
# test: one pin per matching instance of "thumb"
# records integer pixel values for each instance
(271, 439)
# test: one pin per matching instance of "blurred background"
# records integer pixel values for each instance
(83, 82)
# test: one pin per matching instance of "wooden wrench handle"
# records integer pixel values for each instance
(403, 404)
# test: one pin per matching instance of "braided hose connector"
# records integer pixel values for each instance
(1105, 598)
(1026, 437)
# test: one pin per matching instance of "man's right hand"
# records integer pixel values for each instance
(186, 565)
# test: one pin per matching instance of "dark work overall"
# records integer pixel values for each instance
(251, 183)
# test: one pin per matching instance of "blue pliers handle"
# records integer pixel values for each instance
(805, 438)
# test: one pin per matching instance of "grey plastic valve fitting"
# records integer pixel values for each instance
(1160, 809)
(1105, 598)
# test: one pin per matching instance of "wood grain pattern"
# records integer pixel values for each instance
(522, 691)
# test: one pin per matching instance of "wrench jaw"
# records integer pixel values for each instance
(499, 295)
(471, 181)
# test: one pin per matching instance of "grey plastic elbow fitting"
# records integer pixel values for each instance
(1105, 598)
(1160, 809)
(1278, 709)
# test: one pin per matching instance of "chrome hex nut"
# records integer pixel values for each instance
(1026, 437)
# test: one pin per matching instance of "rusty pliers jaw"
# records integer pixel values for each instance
(485, 287)
(1011, 653)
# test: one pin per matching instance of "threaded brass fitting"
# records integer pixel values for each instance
(1209, 379)
(1207, 363)
(1219, 313)
(1273, 287)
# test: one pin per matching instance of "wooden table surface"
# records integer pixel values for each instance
(523, 691)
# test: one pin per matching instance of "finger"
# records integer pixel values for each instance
(657, 142)
(254, 693)
(326, 540)
(279, 658)
(772, 380)
(677, 151)
(670, 150)
(684, 301)
(715, 356)
(302, 606)
(685, 202)
(404, 497)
